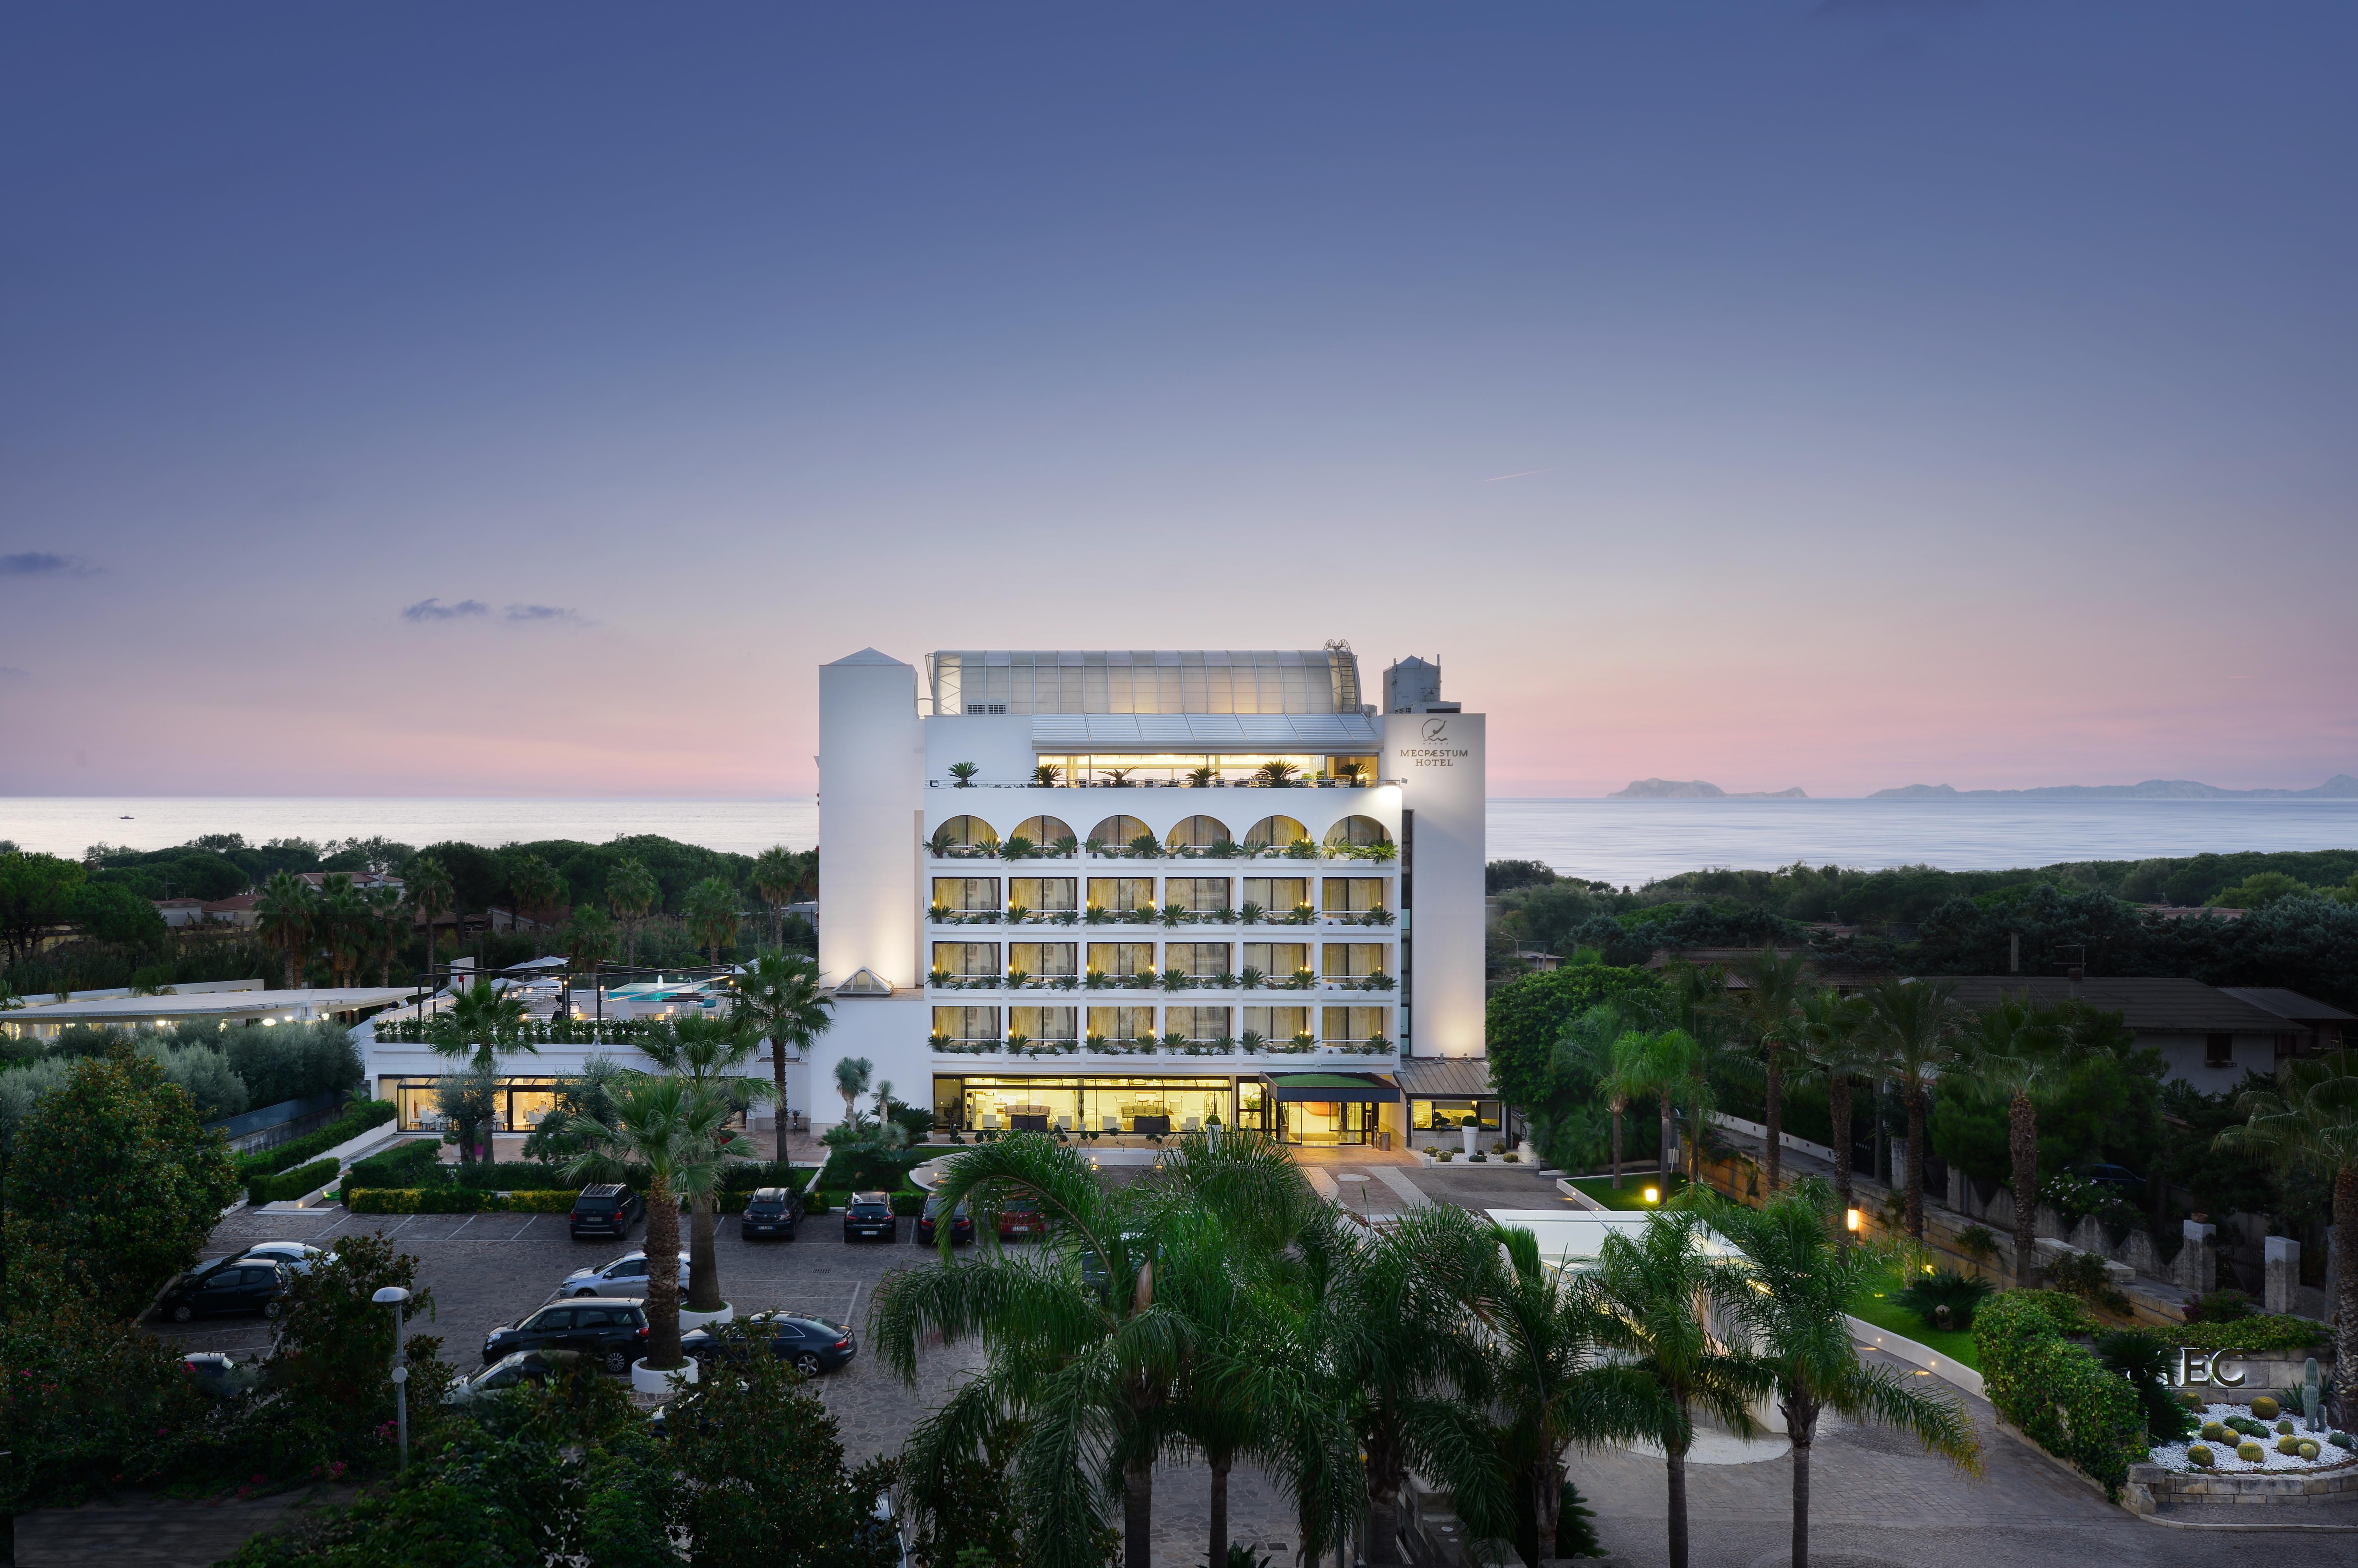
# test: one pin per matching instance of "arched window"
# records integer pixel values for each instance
(1116, 832)
(964, 836)
(1360, 832)
(1197, 833)
(1275, 833)
(1043, 830)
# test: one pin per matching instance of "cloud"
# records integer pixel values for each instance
(540, 614)
(10, 672)
(434, 610)
(42, 563)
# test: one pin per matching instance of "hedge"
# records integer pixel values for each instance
(459, 1200)
(2252, 1335)
(869, 1170)
(2055, 1393)
(297, 1151)
(292, 1183)
(409, 1165)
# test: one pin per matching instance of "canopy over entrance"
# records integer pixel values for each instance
(1330, 1087)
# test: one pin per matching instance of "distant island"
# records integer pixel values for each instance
(2341, 786)
(1696, 789)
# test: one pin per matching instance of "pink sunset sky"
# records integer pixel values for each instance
(1833, 396)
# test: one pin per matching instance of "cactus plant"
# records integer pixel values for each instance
(2342, 1441)
(2312, 1395)
(2213, 1433)
(2289, 1443)
(2249, 1453)
(2201, 1457)
(2266, 1409)
(2306, 1448)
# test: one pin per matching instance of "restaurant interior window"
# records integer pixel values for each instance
(1448, 1115)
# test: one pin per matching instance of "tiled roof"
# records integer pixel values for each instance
(1447, 1077)
(2161, 1006)
(2288, 1004)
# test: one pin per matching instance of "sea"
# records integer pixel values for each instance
(1624, 843)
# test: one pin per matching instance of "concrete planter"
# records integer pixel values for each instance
(645, 1380)
(689, 1320)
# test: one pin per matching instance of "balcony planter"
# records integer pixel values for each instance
(645, 1380)
(689, 1320)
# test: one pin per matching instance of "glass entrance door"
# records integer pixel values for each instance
(1327, 1123)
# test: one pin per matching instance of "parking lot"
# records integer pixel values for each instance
(489, 1268)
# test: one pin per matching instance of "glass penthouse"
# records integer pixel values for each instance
(1123, 893)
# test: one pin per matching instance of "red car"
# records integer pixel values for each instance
(1021, 1217)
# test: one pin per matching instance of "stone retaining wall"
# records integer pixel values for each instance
(2151, 1486)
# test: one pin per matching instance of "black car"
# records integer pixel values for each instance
(813, 1343)
(218, 1377)
(961, 1223)
(224, 1285)
(870, 1214)
(605, 1208)
(2120, 1178)
(772, 1211)
(610, 1330)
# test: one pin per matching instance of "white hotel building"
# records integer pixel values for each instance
(1058, 892)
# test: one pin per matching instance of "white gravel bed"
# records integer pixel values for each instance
(2172, 1455)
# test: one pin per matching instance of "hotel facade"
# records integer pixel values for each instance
(1124, 892)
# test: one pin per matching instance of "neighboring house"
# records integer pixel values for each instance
(2210, 1035)
(178, 911)
(358, 878)
(238, 911)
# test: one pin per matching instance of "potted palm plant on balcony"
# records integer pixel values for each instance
(1250, 1041)
(1200, 778)
(938, 913)
(938, 1041)
(1222, 849)
(1276, 774)
(1065, 846)
(1045, 775)
(1016, 847)
(1303, 980)
(964, 772)
(1116, 778)
(1018, 912)
(1018, 1043)
(1174, 1044)
(1304, 1041)
(1018, 979)
(1176, 979)
(1146, 847)
(1249, 979)
(937, 976)
(1095, 846)
(1249, 913)
(1377, 1045)
(1224, 981)
(1094, 1042)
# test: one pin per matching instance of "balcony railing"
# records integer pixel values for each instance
(1166, 915)
(1374, 1045)
(1168, 980)
(1376, 855)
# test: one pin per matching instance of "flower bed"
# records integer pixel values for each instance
(2226, 1461)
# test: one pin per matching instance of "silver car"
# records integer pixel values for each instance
(625, 1276)
(300, 1257)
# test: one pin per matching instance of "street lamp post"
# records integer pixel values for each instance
(394, 1297)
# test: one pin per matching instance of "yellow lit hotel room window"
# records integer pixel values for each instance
(1276, 895)
(1120, 893)
(1045, 1023)
(1278, 1023)
(1197, 960)
(1042, 895)
(1123, 1023)
(1197, 1024)
(1352, 960)
(1121, 959)
(1337, 1025)
(1352, 895)
(967, 895)
(1276, 960)
(1044, 960)
(1197, 896)
(968, 960)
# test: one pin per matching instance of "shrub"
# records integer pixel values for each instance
(1944, 1300)
(460, 1200)
(408, 1165)
(1976, 1242)
(288, 1184)
(2084, 1274)
(2143, 1359)
(295, 1152)
(2265, 1409)
(866, 1168)
(908, 1206)
(2254, 1333)
(2220, 1307)
(2054, 1392)
(293, 1061)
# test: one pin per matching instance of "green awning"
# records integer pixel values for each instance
(1360, 1086)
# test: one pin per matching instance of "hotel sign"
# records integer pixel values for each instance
(1435, 750)
(2196, 1365)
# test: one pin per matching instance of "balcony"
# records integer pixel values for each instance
(1226, 988)
(952, 860)
(1169, 916)
(1284, 1054)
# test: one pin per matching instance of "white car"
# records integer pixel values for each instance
(625, 1276)
(298, 1256)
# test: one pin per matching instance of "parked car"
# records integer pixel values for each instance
(870, 1214)
(1021, 1217)
(813, 1343)
(300, 1257)
(2120, 1178)
(218, 1377)
(512, 1372)
(961, 1223)
(625, 1276)
(605, 1208)
(772, 1211)
(226, 1286)
(612, 1331)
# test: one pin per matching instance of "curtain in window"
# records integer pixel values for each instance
(1340, 1023)
(968, 960)
(1352, 960)
(1278, 1022)
(1278, 895)
(967, 895)
(1043, 895)
(1198, 1022)
(1198, 960)
(1044, 1022)
(1120, 893)
(1044, 960)
(1200, 895)
(1123, 1023)
(966, 1025)
(1120, 959)
(1352, 895)
(1278, 960)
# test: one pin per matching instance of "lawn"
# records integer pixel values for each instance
(1875, 1306)
(1632, 1195)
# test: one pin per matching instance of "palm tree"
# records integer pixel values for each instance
(777, 875)
(2019, 1052)
(1770, 1009)
(633, 891)
(538, 887)
(586, 937)
(1586, 1049)
(706, 1052)
(1791, 1297)
(711, 907)
(678, 1135)
(1833, 1042)
(388, 930)
(2310, 1121)
(1083, 1350)
(1693, 1001)
(851, 1074)
(1915, 1024)
(780, 1001)
(478, 1023)
(1644, 1299)
(342, 928)
(1659, 1064)
(428, 888)
(286, 914)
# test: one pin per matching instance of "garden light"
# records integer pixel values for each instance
(394, 1297)
(1653, 1195)
(1852, 1220)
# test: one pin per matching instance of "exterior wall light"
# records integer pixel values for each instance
(1854, 1221)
